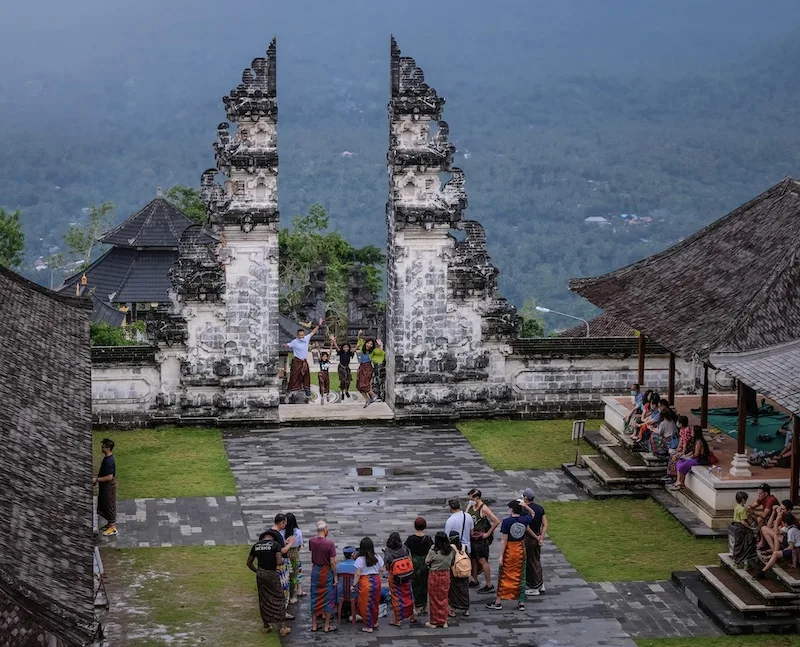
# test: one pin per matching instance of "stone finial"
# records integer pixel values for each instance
(159, 192)
(256, 95)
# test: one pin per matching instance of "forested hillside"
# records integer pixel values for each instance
(676, 111)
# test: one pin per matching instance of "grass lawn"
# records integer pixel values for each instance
(763, 640)
(168, 462)
(524, 444)
(183, 596)
(626, 540)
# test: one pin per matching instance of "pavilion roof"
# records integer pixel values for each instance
(603, 325)
(773, 371)
(159, 224)
(46, 543)
(732, 286)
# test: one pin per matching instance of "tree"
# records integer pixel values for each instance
(12, 240)
(188, 201)
(82, 239)
(532, 322)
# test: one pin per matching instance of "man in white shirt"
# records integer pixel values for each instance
(300, 373)
(459, 522)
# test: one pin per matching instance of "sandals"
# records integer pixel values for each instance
(284, 632)
(330, 629)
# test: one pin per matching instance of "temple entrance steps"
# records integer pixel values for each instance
(738, 603)
(334, 413)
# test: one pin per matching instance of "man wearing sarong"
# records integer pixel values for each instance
(267, 551)
(323, 578)
(107, 489)
(300, 373)
(534, 541)
(511, 578)
(283, 566)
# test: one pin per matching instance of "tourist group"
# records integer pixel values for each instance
(424, 575)
(368, 352)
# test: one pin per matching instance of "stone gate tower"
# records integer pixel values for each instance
(447, 331)
(226, 279)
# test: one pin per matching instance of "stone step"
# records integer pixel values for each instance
(585, 480)
(605, 470)
(685, 516)
(335, 412)
(595, 439)
(714, 519)
(634, 465)
(702, 595)
(785, 573)
(772, 591)
(740, 595)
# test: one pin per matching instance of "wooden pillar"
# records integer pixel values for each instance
(741, 419)
(671, 386)
(794, 477)
(642, 343)
(704, 399)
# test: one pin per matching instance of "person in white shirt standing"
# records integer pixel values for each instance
(300, 373)
(459, 522)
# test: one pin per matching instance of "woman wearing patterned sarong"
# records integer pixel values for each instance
(267, 550)
(459, 586)
(368, 352)
(439, 560)
(684, 441)
(419, 544)
(367, 584)
(511, 579)
(400, 591)
(323, 590)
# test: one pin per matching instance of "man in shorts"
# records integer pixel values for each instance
(485, 522)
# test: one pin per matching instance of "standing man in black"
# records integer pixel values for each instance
(268, 552)
(107, 494)
(533, 545)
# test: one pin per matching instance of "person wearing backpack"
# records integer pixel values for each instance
(400, 568)
(460, 574)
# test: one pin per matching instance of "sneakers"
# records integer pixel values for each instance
(473, 585)
(494, 605)
(521, 606)
(541, 588)
(110, 531)
(486, 589)
(530, 592)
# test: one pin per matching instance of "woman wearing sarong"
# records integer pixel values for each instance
(323, 590)
(345, 375)
(684, 440)
(667, 428)
(267, 551)
(439, 560)
(400, 590)
(459, 586)
(511, 579)
(419, 544)
(369, 352)
(295, 565)
(367, 584)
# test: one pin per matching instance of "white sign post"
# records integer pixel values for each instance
(578, 432)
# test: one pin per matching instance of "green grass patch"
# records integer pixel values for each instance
(202, 595)
(524, 444)
(762, 640)
(168, 462)
(626, 540)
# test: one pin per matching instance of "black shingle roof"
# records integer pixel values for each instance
(46, 543)
(159, 224)
(603, 325)
(731, 286)
(105, 313)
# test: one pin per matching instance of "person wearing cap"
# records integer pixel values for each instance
(533, 544)
(761, 509)
(323, 578)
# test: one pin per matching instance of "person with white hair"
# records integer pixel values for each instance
(322, 592)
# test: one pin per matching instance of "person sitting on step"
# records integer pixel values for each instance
(792, 550)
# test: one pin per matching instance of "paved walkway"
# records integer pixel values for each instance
(371, 481)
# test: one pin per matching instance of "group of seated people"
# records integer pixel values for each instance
(769, 522)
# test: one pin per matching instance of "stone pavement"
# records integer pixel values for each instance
(549, 485)
(654, 610)
(195, 521)
(369, 481)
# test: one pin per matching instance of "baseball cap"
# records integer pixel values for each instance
(528, 494)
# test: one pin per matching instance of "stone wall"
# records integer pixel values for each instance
(126, 382)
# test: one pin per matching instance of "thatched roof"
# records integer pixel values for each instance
(732, 286)
(46, 544)
(773, 371)
(603, 325)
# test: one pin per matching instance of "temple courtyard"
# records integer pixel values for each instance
(192, 501)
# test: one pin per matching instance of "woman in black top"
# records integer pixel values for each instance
(418, 545)
(345, 376)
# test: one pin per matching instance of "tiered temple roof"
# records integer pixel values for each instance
(731, 287)
(46, 543)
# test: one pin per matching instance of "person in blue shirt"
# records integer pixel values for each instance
(300, 373)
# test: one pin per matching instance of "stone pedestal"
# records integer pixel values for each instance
(740, 467)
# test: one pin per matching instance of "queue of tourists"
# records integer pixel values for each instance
(429, 574)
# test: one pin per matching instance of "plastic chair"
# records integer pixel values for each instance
(346, 582)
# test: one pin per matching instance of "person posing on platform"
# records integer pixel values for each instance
(742, 534)
(367, 584)
(534, 540)
(345, 375)
(419, 544)
(324, 378)
(323, 578)
(369, 352)
(106, 480)
(439, 561)
(511, 579)
(267, 551)
(484, 522)
(400, 568)
(300, 373)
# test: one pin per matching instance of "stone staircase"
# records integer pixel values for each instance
(739, 603)
(618, 468)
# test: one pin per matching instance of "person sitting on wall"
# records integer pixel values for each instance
(772, 532)
(761, 509)
(635, 417)
(637, 400)
(300, 373)
(648, 420)
(784, 459)
(792, 550)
